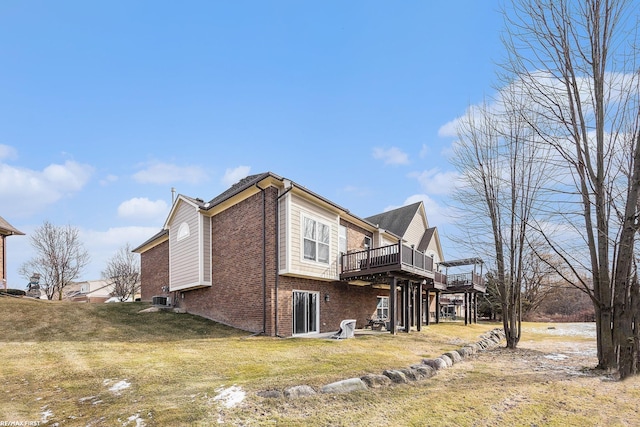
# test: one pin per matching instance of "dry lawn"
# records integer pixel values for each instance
(110, 365)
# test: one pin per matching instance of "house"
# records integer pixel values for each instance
(89, 291)
(6, 229)
(270, 256)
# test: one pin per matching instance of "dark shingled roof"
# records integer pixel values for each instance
(7, 229)
(155, 237)
(398, 220)
(426, 238)
(240, 186)
(236, 188)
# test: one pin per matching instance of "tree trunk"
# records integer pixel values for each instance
(606, 350)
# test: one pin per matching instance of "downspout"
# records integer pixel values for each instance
(277, 245)
(3, 279)
(264, 260)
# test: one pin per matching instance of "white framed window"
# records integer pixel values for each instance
(367, 242)
(382, 310)
(342, 239)
(183, 231)
(316, 240)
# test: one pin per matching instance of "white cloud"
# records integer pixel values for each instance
(424, 151)
(101, 245)
(165, 173)
(8, 152)
(391, 156)
(108, 180)
(22, 189)
(434, 181)
(450, 129)
(231, 176)
(142, 208)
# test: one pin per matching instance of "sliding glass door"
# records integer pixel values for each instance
(305, 312)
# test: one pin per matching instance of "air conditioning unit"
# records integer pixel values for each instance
(161, 301)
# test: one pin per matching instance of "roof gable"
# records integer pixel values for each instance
(397, 220)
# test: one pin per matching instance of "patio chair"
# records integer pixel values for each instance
(347, 328)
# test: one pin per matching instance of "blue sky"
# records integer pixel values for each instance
(106, 105)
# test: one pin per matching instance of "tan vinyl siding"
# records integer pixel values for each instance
(298, 265)
(283, 233)
(183, 256)
(206, 248)
(386, 242)
(416, 230)
(432, 249)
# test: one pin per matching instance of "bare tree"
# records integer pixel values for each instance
(500, 190)
(539, 281)
(60, 258)
(123, 272)
(575, 63)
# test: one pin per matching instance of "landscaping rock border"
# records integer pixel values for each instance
(425, 370)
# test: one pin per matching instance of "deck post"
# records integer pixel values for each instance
(437, 306)
(475, 307)
(406, 297)
(418, 303)
(393, 293)
(466, 308)
(428, 313)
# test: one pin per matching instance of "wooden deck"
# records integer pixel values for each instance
(401, 261)
(397, 259)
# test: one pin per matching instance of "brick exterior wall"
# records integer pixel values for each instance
(355, 236)
(236, 295)
(345, 302)
(154, 268)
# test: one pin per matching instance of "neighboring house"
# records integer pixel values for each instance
(89, 291)
(270, 256)
(6, 229)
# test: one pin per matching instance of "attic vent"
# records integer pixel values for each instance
(161, 301)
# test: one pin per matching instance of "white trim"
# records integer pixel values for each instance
(184, 231)
(288, 235)
(388, 307)
(317, 293)
(210, 255)
(200, 248)
(189, 286)
(303, 215)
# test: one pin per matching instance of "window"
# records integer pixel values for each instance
(382, 310)
(342, 239)
(367, 242)
(183, 231)
(316, 241)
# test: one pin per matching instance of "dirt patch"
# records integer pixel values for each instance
(542, 350)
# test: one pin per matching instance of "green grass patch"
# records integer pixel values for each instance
(109, 364)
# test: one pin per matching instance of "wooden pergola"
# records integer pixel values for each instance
(467, 283)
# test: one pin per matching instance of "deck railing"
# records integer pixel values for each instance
(439, 278)
(465, 279)
(404, 258)
(391, 256)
